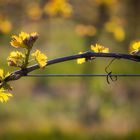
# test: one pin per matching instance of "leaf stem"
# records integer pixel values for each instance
(26, 58)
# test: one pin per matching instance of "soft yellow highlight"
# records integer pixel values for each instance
(34, 11)
(119, 34)
(58, 7)
(106, 2)
(5, 26)
(85, 30)
(115, 27)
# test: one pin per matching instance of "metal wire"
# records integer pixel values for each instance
(82, 75)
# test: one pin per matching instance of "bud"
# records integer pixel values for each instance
(31, 40)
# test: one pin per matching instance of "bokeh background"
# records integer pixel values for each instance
(72, 108)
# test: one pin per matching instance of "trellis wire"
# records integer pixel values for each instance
(82, 75)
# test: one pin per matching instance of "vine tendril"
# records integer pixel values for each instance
(109, 73)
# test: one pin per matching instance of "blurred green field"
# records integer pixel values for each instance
(56, 134)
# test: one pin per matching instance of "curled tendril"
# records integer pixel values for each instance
(109, 73)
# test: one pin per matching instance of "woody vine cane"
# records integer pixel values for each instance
(22, 59)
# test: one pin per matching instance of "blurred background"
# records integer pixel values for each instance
(72, 108)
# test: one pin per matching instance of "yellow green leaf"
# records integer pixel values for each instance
(4, 95)
(134, 47)
(16, 58)
(24, 40)
(99, 49)
(81, 60)
(40, 58)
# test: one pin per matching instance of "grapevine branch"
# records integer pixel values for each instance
(87, 55)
